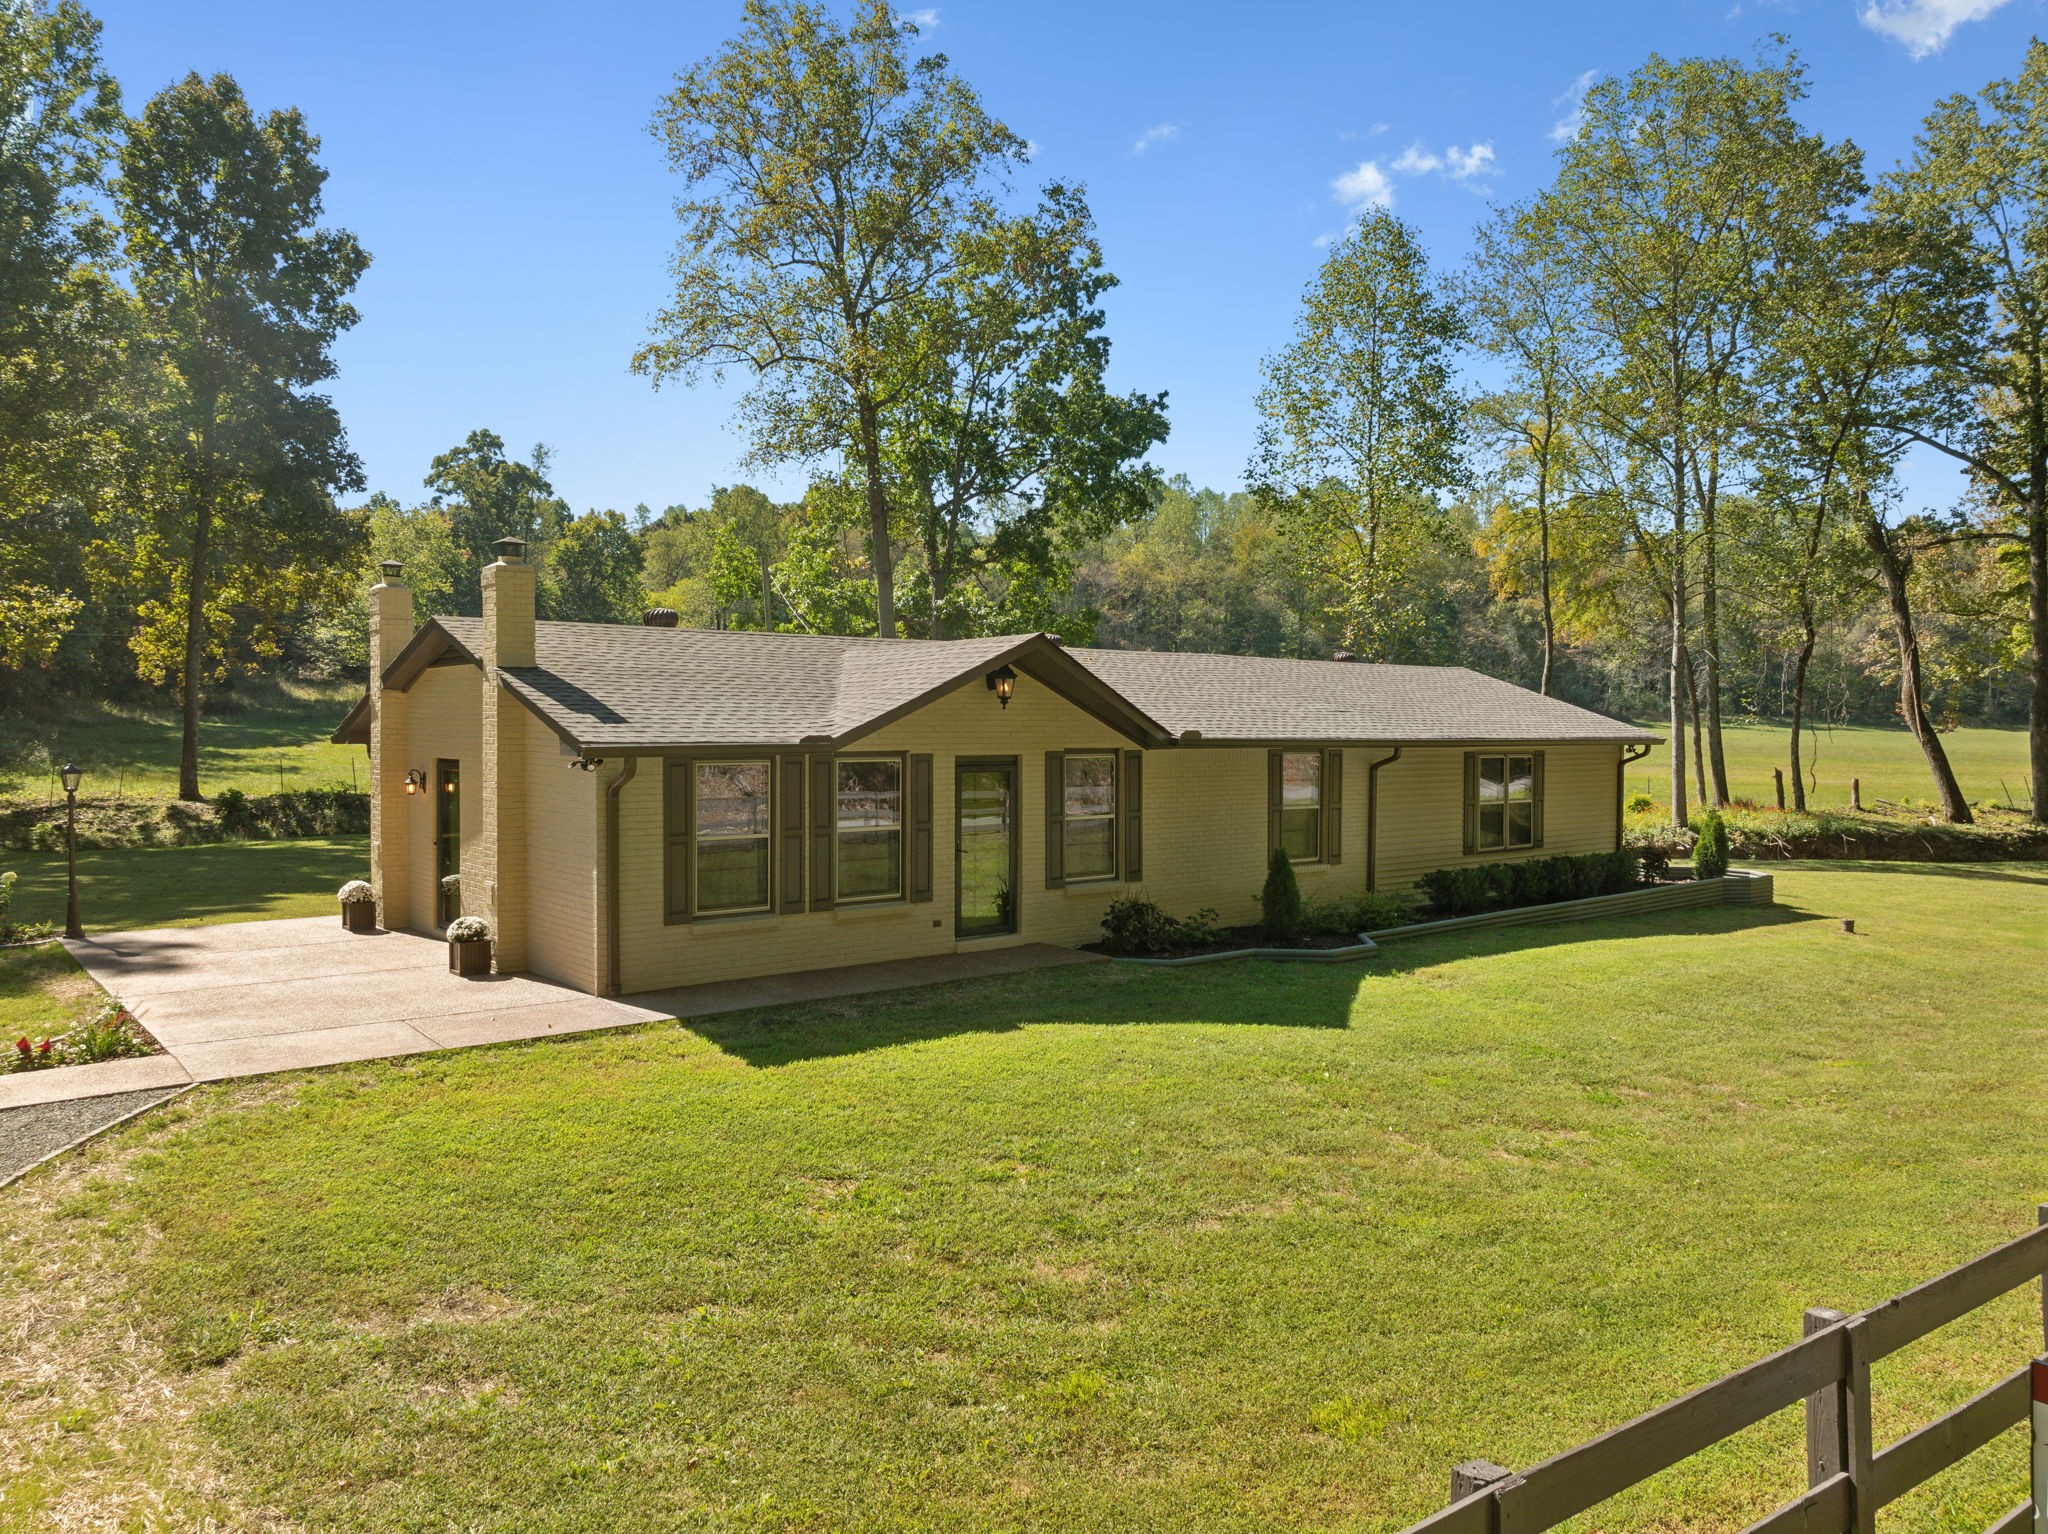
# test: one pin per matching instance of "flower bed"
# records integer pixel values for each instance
(112, 1033)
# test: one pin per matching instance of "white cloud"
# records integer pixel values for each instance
(1567, 127)
(926, 20)
(1416, 161)
(1923, 26)
(1031, 148)
(1365, 187)
(1158, 133)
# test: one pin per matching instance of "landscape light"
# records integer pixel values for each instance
(69, 775)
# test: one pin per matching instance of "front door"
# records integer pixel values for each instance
(447, 840)
(985, 850)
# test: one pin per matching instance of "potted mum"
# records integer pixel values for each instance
(358, 906)
(469, 946)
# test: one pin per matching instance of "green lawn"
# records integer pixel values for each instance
(1243, 1247)
(43, 993)
(1990, 764)
(124, 888)
(131, 751)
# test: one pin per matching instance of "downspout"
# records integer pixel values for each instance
(1628, 754)
(611, 873)
(1372, 818)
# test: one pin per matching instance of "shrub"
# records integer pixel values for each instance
(1654, 847)
(1134, 926)
(231, 810)
(1478, 887)
(355, 892)
(1352, 914)
(468, 929)
(1281, 912)
(1710, 852)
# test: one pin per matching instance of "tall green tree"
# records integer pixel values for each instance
(1976, 191)
(242, 294)
(829, 170)
(1009, 449)
(592, 573)
(1669, 211)
(487, 496)
(1360, 419)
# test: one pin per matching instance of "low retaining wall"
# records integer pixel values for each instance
(1739, 886)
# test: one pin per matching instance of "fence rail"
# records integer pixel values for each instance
(1848, 1480)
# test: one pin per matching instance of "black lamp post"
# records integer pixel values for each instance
(68, 775)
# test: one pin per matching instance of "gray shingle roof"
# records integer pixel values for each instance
(1256, 697)
(617, 686)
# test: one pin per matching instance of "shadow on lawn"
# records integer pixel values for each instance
(122, 889)
(1254, 993)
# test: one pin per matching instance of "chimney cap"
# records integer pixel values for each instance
(660, 618)
(391, 568)
(511, 550)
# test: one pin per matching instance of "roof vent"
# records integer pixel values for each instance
(1057, 640)
(1344, 655)
(660, 618)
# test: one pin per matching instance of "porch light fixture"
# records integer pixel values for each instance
(415, 782)
(1003, 683)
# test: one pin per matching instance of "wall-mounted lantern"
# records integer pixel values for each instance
(1003, 683)
(415, 782)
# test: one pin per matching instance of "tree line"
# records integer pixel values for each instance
(1641, 448)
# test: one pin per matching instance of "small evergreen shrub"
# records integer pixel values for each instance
(231, 811)
(1135, 927)
(1281, 912)
(1349, 915)
(1710, 852)
(1479, 887)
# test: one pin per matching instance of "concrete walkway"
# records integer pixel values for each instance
(249, 998)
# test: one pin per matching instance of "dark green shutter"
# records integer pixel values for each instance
(678, 845)
(1333, 806)
(921, 827)
(1536, 788)
(790, 825)
(1131, 789)
(1275, 797)
(1055, 820)
(824, 832)
(1471, 802)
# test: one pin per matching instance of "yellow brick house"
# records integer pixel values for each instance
(634, 807)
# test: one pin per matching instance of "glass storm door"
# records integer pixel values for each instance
(986, 849)
(447, 839)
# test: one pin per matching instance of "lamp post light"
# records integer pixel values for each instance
(69, 775)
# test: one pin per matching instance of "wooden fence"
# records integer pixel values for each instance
(1848, 1479)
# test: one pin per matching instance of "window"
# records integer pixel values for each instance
(1301, 805)
(1504, 801)
(732, 854)
(1088, 810)
(870, 828)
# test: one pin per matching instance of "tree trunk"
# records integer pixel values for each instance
(1799, 669)
(195, 652)
(1692, 708)
(2037, 635)
(1543, 560)
(1680, 667)
(1710, 633)
(1892, 569)
(878, 516)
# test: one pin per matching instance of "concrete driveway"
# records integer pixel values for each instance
(248, 998)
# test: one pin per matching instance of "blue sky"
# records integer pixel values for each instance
(493, 157)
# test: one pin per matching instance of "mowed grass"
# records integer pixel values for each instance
(43, 993)
(121, 889)
(1243, 1247)
(1990, 764)
(130, 751)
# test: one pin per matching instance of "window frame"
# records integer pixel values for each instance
(679, 831)
(1321, 758)
(900, 761)
(1114, 817)
(1475, 801)
(765, 836)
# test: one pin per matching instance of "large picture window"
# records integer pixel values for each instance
(870, 828)
(1088, 810)
(1301, 805)
(1505, 801)
(731, 836)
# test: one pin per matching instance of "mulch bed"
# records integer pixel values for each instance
(1231, 939)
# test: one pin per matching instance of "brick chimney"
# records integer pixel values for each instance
(499, 850)
(390, 632)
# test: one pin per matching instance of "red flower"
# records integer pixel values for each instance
(46, 1046)
(22, 1045)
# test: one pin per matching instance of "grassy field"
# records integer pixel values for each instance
(1245, 1247)
(123, 888)
(131, 751)
(1991, 765)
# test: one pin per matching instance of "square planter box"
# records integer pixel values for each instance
(360, 916)
(471, 958)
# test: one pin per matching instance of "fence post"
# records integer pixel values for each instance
(1777, 777)
(1856, 1429)
(1827, 1449)
(2037, 1379)
(1856, 795)
(1472, 1476)
(2041, 1218)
